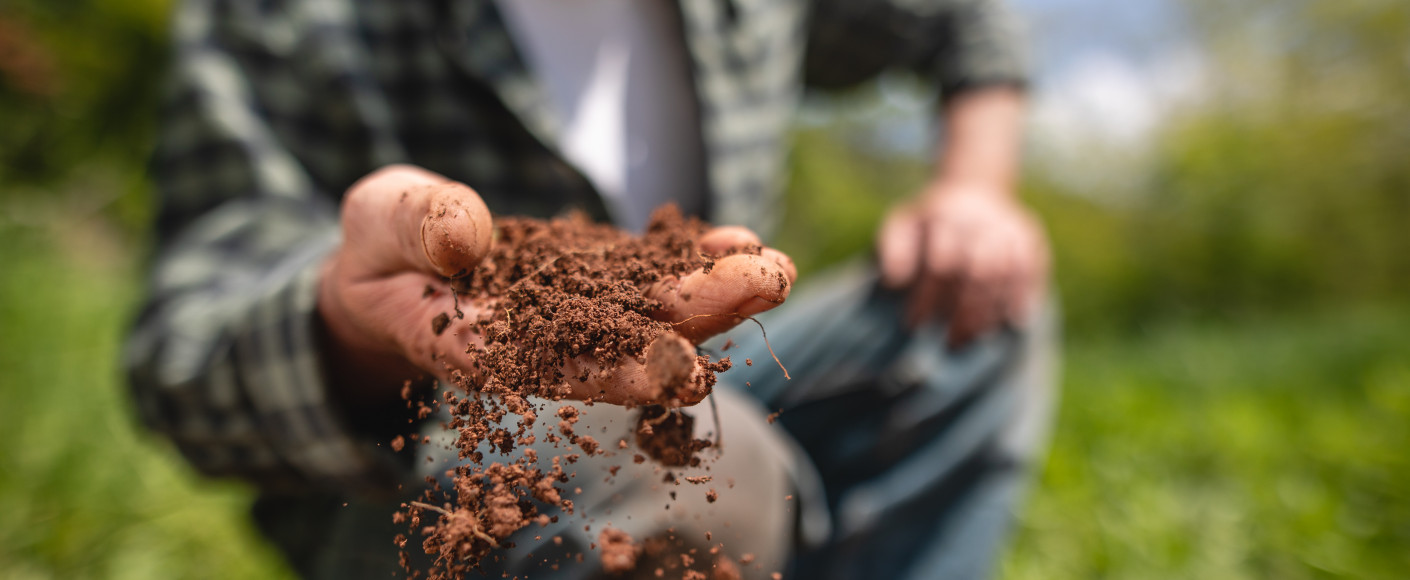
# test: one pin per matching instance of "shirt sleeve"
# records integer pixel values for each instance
(960, 44)
(224, 357)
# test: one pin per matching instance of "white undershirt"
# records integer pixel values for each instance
(616, 75)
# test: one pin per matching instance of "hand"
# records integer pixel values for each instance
(970, 254)
(406, 229)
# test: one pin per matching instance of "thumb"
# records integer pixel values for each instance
(405, 218)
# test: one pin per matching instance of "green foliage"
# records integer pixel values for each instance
(1286, 188)
(84, 491)
(1293, 187)
(836, 197)
(1272, 450)
(78, 86)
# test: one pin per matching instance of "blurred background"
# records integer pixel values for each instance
(1227, 184)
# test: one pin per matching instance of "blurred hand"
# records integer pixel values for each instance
(406, 229)
(968, 254)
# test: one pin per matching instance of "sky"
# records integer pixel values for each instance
(1106, 73)
(1107, 70)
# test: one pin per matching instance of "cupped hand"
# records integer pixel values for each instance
(970, 255)
(407, 231)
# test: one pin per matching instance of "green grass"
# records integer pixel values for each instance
(1271, 450)
(83, 491)
(1275, 449)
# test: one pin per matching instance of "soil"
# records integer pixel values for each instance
(557, 294)
(618, 551)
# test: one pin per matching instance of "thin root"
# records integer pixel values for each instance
(719, 433)
(761, 331)
(428, 506)
(474, 530)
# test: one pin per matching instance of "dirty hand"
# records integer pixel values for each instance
(969, 254)
(406, 229)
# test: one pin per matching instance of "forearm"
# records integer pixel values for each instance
(982, 139)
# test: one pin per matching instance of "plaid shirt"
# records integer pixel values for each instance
(278, 106)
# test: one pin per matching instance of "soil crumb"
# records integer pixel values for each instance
(666, 436)
(618, 551)
(725, 569)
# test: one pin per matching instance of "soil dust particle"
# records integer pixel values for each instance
(746, 559)
(618, 552)
(725, 569)
(398, 443)
(439, 323)
(711, 495)
(748, 362)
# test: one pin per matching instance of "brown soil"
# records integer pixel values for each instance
(665, 435)
(565, 293)
(618, 551)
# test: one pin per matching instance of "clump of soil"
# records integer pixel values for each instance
(559, 295)
(618, 551)
(666, 437)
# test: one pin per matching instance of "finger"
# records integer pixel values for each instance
(899, 245)
(944, 251)
(454, 230)
(976, 311)
(944, 265)
(981, 291)
(924, 301)
(1023, 299)
(670, 375)
(724, 239)
(702, 304)
(784, 263)
(423, 321)
(1029, 282)
(405, 218)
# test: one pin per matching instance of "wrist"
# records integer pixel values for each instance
(946, 187)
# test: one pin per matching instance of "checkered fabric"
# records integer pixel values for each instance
(277, 106)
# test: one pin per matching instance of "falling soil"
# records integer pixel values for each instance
(564, 302)
(618, 551)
